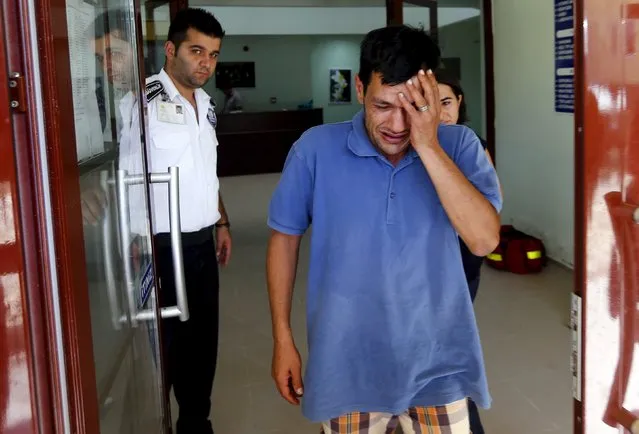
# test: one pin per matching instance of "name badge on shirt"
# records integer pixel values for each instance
(171, 113)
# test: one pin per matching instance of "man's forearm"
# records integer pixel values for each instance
(281, 267)
(224, 218)
(472, 215)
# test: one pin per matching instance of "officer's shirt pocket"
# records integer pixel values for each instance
(171, 146)
(170, 136)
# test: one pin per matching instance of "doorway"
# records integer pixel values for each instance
(98, 313)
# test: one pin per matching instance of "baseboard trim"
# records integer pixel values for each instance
(567, 267)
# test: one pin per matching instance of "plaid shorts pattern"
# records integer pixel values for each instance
(445, 419)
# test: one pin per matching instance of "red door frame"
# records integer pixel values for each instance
(489, 76)
(65, 202)
(27, 326)
(579, 195)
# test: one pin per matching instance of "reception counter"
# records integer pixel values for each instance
(258, 142)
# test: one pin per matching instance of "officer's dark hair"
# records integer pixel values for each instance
(197, 19)
(113, 20)
(446, 77)
(397, 53)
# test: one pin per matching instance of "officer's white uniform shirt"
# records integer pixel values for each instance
(176, 138)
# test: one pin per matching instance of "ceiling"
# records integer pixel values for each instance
(322, 3)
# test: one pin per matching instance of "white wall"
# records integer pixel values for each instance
(294, 69)
(534, 144)
(282, 70)
(334, 52)
(238, 20)
(243, 20)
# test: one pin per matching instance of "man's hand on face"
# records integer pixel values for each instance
(424, 111)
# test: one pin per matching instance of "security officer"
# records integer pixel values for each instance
(182, 133)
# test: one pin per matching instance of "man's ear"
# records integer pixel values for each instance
(169, 49)
(359, 86)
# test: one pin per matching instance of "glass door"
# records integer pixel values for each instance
(606, 301)
(109, 118)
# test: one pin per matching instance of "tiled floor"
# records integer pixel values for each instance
(523, 323)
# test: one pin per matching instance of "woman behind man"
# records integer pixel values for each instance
(453, 111)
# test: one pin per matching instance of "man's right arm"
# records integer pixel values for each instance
(281, 268)
(290, 214)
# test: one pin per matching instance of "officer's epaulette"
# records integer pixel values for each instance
(153, 89)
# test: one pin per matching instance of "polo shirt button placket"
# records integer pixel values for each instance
(390, 207)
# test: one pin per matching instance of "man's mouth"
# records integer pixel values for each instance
(395, 139)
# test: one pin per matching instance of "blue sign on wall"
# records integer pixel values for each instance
(564, 56)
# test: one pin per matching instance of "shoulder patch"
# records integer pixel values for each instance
(153, 89)
(211, 116)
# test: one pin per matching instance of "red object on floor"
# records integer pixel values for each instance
(518, 252)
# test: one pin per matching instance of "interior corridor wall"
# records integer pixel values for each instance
(534, 144)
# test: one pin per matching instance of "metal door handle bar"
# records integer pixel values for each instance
(172, 177)
(117, 318)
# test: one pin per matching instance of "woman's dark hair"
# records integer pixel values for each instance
(197, 19)
(447, 78)
(397, 53)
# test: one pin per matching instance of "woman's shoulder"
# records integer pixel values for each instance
(483, 142)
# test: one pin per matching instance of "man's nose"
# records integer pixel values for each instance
(206, 64)
(399, 121)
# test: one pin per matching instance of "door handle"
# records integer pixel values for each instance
(172, 178)
(117, 318)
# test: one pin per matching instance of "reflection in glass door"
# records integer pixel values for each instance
(105, 83)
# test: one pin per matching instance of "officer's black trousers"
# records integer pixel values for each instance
(190, 348)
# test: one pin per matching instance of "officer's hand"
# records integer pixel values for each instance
(287, 371)
(224, 244)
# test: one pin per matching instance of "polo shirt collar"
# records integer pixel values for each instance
(360, 143)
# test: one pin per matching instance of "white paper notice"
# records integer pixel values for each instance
(88, 128)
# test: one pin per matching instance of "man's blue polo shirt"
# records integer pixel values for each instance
(389, 317)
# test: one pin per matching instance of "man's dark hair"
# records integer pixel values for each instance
(446, 77)
(197, 19)
(111, 21)
(397, 53)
